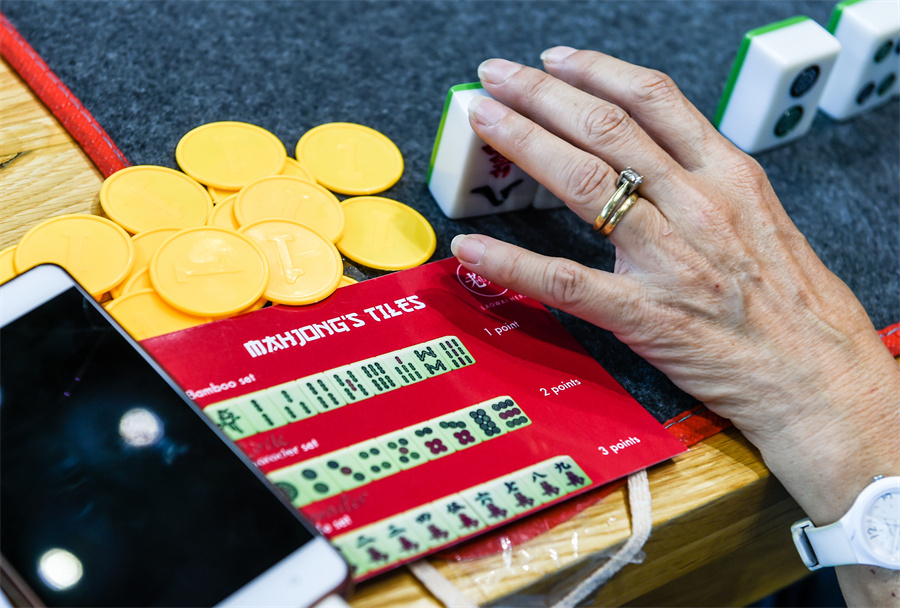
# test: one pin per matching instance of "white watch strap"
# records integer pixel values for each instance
(831, 545)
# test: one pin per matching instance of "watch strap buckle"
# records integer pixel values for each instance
(804, 547)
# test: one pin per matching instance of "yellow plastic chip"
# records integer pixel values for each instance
(144, 315)
(223, 215)
(304, 265)
(230, 155)
(345, 280)
(95, 250)
(7, 266)
(293, 168)
(146, 197)
(350, 158)
(145, 245)
(291, 198)
(385, 234)
(209, 271)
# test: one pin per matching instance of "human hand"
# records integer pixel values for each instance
(713, 283)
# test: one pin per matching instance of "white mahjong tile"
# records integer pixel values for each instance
(374, 458)
(430, 440)
(520, 493)
(466, 176)
(344, 545)
(403, 449)
(344, 468)
(293, 403)
(321, 393)
(489, 501)
(777, 79)
(228, 417)
(377, 375)
(310, 479)
(571, 477)
(352, 385)
(456, 513)
(260, 410)
(431, 526)
(459, 430)
(865, 75)
(453, 351)
(483, 423)
(507, 413)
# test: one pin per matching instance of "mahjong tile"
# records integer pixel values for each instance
(260, 410)
(459, 430)
(430, 440)
(321, 393)
(541, 481)
(372, 546)
(403, 449)
(453, 351)
(428, 358)
(311, 479)
(230, 419)
(375, 459)
(507, 413)
(432, 529)
(403, 538)
(775, 84)
(489, 501)
(283, 479)
(865, 75)
(456, 512)
(350, 383)
(570, 475)
(293, 403)
(345, 469)
(483, 423)
(521, 495)
(466, 176)
(377, 375)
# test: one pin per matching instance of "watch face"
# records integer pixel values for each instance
(881, 524)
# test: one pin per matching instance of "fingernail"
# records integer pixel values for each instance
(486, 111)
(496, 71)
(556, 54)
(467, 249)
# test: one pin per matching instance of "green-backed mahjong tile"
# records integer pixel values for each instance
(372, 547)
(570, 475)
(542, 482)
(402, 449)
(458, 429)
(320, 393)
(283, 479)
(520, 495)
(482, 422)
(403, 537)
(453, 351)
(403, 367)
(489, 501)
(456, 512)
(507, 413)
(431, 526)
(260, 411)
(293, 403)
(345, 470)
(375, 460)
(228, 417)
(430, 440)
(352, 384)
(376, 374)
(344, 545)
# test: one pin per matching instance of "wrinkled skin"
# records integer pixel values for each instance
(713, 283)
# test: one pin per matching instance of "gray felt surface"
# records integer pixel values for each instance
(151, 71)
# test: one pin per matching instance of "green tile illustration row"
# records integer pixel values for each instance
(444, 521)
(376, 458)
(299, 399)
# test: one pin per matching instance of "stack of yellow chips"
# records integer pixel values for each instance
(273, 234)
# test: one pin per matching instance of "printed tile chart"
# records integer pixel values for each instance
(409, 412)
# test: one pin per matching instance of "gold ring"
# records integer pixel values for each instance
(614, 219)
(628, 181)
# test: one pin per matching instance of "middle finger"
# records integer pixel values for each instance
(591, 124)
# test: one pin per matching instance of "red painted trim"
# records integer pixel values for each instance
(891, 337)
(59, 99)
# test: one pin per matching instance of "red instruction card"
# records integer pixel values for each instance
(409, 412)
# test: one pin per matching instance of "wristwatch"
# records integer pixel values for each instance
(868, 534)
